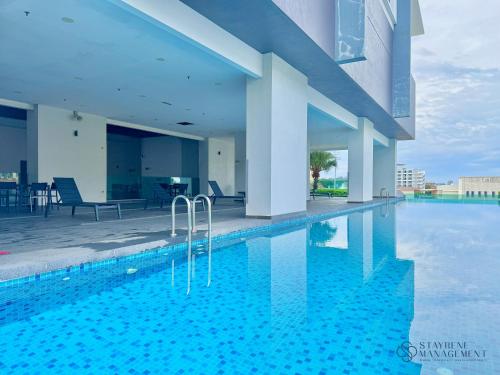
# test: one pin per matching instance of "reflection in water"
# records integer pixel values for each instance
(325, 297)
(348, 307)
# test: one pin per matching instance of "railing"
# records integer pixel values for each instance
(188, 203)
(191, 216)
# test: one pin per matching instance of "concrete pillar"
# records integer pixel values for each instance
(360, 163)
(276, 141)
(60, 145)
(384, 168)
(240, 169)
(308, 172)
(217, 162)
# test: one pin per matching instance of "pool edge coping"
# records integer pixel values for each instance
(151, 252)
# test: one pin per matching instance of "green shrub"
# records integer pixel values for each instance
(333, 192)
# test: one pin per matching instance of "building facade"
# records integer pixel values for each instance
(235, 91)
(410, 178)
(479, 186)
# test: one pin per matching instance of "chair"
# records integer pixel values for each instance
(218, 194)
(8, 189)
(159, 193)
(181, 189)
(38, 192)
(70, 196)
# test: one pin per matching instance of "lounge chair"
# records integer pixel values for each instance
(161, 194)
(217, 193)
(70, 196)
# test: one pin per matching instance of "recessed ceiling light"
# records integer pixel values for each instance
(167, 103)
(67, 20)
(185, 123)
(160, 59)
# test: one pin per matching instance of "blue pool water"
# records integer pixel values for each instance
(333, 297)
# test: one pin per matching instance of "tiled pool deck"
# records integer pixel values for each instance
(36, 245)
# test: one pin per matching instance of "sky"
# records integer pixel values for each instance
(456, 65)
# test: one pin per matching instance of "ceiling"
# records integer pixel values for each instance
(94, 57)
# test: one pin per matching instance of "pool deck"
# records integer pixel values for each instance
(36, 244)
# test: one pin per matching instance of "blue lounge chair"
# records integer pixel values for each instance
(217, 193)
(70, 196)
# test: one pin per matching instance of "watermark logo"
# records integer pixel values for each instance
(406, 351)
(441, 351)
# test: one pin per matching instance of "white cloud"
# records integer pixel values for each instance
(457, 68)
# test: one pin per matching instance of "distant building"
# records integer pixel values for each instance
(479, 186)
(410, 178)
(447, 189)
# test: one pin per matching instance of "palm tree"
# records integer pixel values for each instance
(321, 161)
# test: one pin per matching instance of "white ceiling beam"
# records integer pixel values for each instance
(331, 109)
(381, 139)
(183, 21)
(16, 104)
(151, 129)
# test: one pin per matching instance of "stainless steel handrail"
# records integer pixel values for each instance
(382, 192)
(209, 205)
(188, 203)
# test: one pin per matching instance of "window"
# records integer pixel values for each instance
(492, 193)
(466, 193)
(485, 193)
(478, 193)
(471, 193)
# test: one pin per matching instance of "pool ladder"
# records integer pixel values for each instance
(386, 194)
(191, 228)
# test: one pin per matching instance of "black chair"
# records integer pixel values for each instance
(8, 190)
(70, 196)
(217, 193)
(181, 189)
(161, 194)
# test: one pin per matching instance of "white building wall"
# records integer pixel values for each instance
(480, 186)
(217, 163)
(240, 162)
(55, 151)
(12, 148)
(221, 158)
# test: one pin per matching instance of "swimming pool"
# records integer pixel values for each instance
(340, 296)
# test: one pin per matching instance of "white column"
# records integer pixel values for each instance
(276, 140)
(360, 163)
(308, 172)
(384, 168)
(240, 169)
(60, 145)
